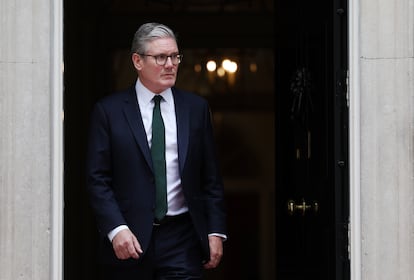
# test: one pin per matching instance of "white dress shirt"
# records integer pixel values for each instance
(175, 197)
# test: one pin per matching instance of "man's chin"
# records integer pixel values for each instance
(169, 82)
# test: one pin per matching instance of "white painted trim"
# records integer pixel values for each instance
(56, 169)
(354, 141)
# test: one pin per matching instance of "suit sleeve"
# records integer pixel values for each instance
(213, 185)
(99, 173)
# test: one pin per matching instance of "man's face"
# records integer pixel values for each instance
(157, 78)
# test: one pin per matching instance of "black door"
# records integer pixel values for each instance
(312, 146)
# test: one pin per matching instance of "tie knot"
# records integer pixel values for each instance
(157, 99)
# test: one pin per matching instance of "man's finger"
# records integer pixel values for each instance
(137, 246)
(134, 249)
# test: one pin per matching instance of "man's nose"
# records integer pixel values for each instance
(169, 61)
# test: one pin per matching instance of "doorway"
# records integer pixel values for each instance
(97, 38)
(262, 144)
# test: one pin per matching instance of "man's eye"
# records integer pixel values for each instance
(162, 56)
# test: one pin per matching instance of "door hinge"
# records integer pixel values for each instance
(342, 88)
(349, 240)
(347, 88)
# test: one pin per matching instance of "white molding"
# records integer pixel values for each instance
(354, 141)
(56, 169)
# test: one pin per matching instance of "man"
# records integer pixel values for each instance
(152, 174)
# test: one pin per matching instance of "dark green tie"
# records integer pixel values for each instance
(158, 160)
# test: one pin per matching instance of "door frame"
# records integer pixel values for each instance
(57, 140)
(354, 140)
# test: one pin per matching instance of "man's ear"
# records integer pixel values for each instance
(136, 60)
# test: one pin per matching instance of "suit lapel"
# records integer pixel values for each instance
(133, 116)
(183, 121)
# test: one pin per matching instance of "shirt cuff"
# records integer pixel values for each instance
(114, 232)
(223, 236)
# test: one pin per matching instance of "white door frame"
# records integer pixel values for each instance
(57, 141)
(57, 149)
(354, 139)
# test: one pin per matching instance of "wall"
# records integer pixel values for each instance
(30, 142)
(29, 124)
(387, 133)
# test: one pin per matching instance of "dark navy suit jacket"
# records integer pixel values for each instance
(120, 178)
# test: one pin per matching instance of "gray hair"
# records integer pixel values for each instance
(149, 32)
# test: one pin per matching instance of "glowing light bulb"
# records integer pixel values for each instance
(253, 67)
(229, 66)
(232, 67)
(226, 64)
(197, 68)
(221, 72)
(211, 66)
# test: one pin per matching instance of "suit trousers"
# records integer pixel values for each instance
(174, 253)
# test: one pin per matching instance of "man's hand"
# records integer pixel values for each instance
(216, 251)
(126, 245)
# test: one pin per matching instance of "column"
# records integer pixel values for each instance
(30, 153)
(387, 138)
